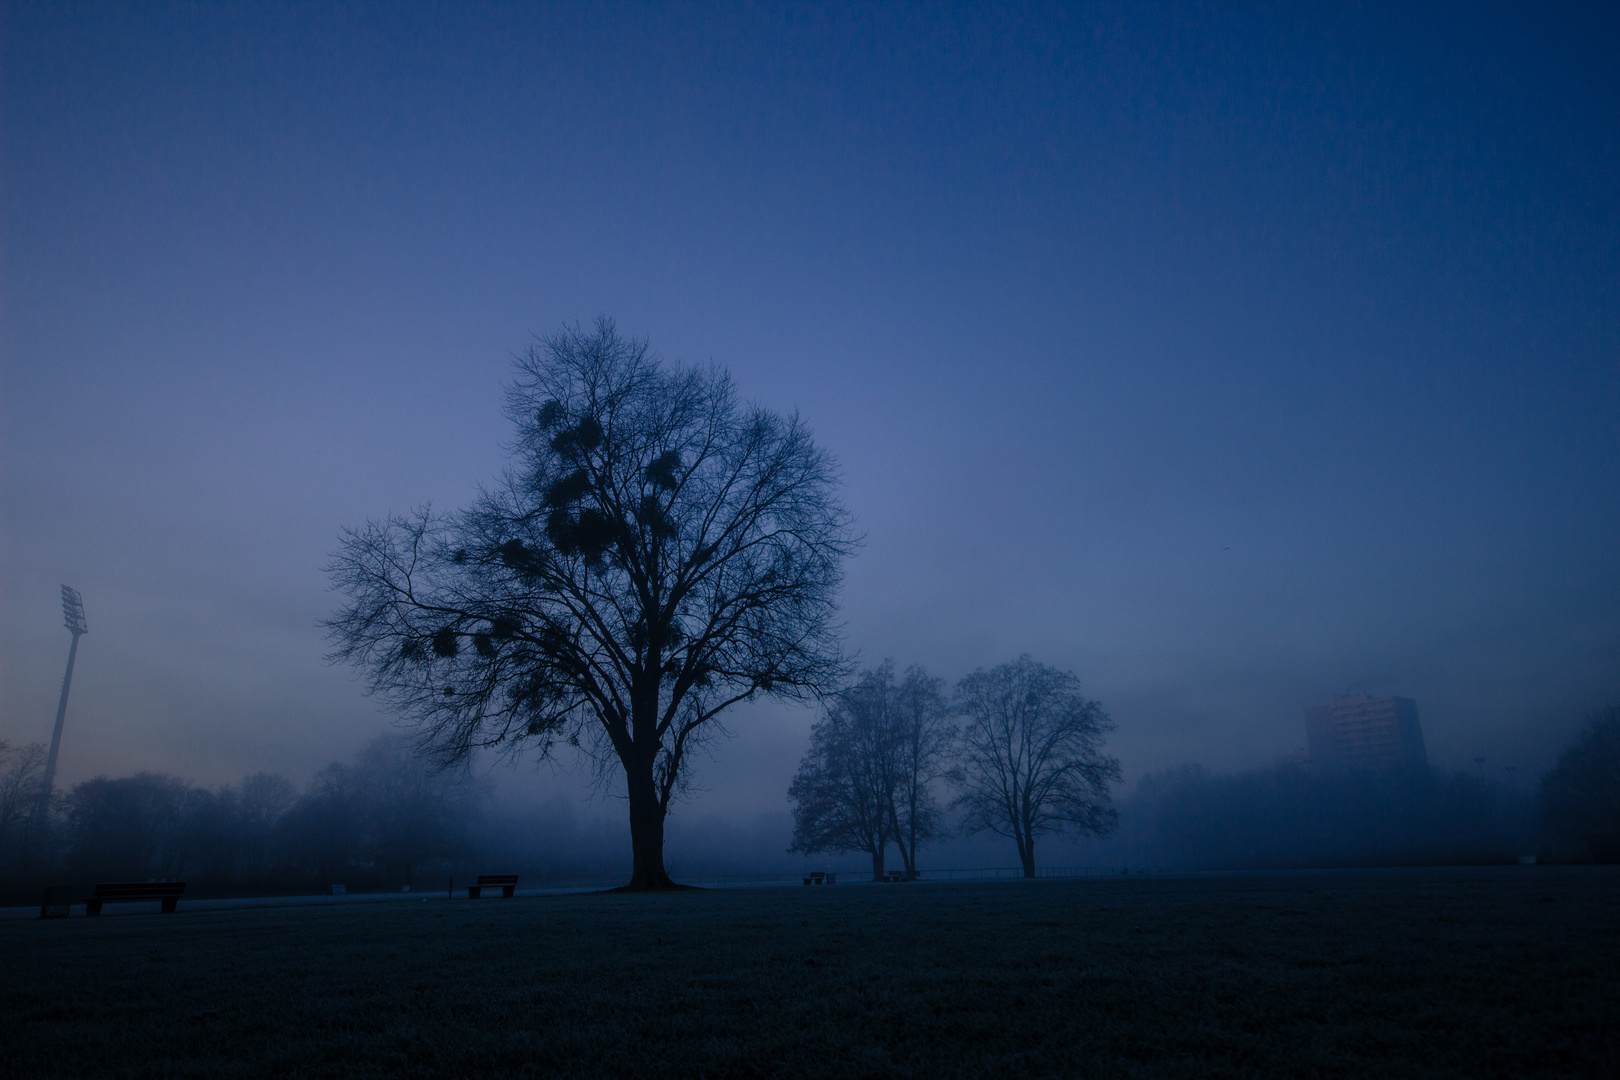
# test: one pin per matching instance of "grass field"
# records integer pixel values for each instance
(1503, 972)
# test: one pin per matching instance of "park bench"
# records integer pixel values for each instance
(821, 878)
(894, 876)
(507, 883)
(131, 891)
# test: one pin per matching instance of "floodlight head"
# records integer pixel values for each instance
(73, 611)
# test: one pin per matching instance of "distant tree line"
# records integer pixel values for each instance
(373, 822)
(1580, 797)
(1018, 747)
(1294, 816)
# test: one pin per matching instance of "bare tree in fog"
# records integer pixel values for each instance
(921, 739)
(382, 816)
(323, 833)
(654, 554)
(868, 776)
(210, 838)
(1580, 797)
(843, 793)
(1030, 755)
(262, 799)
(414, 812)
(133, 827)
(22, 773)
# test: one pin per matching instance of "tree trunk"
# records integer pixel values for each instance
(905, 839)
(908, 855)
(1026, 851)
(877, 862)
(646, 832)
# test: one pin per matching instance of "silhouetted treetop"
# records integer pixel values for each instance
(1030, 755)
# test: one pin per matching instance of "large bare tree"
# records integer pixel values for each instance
(655, 553)
(1030, 755)
(22, 775)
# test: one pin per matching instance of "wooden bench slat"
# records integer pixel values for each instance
(156, 888)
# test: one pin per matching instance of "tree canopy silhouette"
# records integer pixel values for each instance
(868, 776)
(1030, 755)
(654, 554)
(843, 792)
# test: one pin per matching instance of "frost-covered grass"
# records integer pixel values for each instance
(1506, 972)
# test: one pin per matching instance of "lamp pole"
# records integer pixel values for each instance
(73, 619)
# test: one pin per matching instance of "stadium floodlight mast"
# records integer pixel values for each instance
(73, 619)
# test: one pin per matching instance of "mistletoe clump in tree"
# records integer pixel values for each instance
(654, 554)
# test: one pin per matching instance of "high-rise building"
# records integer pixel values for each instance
(1365, 733)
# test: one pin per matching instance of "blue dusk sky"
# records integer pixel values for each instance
(1234, 357)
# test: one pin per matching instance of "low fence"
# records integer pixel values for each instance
(998, 872)
(863, 875)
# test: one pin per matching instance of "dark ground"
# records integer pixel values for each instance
(1491, 972)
